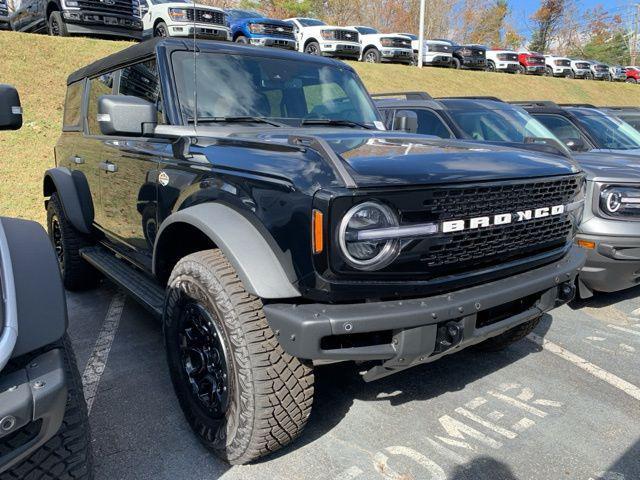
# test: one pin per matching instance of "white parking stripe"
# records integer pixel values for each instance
(98, 359)
(627, 330)
(589, 367)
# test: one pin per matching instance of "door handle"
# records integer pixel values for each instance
(108, 167)
(77, 160)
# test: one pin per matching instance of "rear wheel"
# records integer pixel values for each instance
(505, 339)
(312, 48)
(372, 56)
(67, 243)
(242, 395)
(57, 26)
(161, 30)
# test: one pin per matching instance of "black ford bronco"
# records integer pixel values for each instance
(43, 416)
(253, 200)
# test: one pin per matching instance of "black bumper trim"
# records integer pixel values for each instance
(300, 328)
(37, 392)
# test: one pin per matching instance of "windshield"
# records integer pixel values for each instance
(610, 132)
(310, 22)
(285, 91)
(503, 125)
(367, 30)
(240, 14)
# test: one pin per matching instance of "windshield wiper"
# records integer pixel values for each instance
(336, 122)
(242, 119)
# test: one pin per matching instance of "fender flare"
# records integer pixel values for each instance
(246, 248)
(69, 186)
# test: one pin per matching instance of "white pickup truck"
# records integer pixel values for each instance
(581, 69)
(176, 19)
(557, 66)
(384, 47)
(317, 38)
(503, 61)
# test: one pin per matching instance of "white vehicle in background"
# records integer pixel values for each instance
(581, 69)
(175, 18)
(317, 38)
(557, 66)
(434, 52)
(617, 73)
(384, 47)
(503, 61)
(600, 71)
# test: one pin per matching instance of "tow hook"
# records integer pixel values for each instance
(448, 336)
(566, 293)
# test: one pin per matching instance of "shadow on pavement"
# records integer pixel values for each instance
(603, 300)
(338, 385)
(482, 468)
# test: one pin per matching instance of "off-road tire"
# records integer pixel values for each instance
(271, 392)
(67, 455)
(502, 341)
(312, 48)
(76, 273)
(56, 25)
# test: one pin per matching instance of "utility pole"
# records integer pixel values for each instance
(423, 7)
(634, 35)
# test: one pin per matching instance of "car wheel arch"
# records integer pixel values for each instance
(259, 265)
(73, 190)
(52, 6)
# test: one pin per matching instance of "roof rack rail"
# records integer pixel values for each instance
(535, 103)
(620, 107)
(406, 95)
(579, 105)
(474, 97)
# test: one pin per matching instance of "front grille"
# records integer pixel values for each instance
(563, 63)
(508, 57)
(399, 42)
(602, 68)
(582, 66)
(115, 7)
(536, 60)
(346, 35)
(212, 17)
(280, 31)
(435, 47)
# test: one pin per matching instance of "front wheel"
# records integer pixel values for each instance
(242, 39)
(491, 67)
(548, 72)
(502, 341)
(312, 48)
(57, 27)
(630, 80)
(161, 30)
(243, 396)
(522, 70)
(372, 56)
(456, 63)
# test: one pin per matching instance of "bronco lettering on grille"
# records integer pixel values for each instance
(500, 219)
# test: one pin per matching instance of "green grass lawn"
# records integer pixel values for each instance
(39, 65)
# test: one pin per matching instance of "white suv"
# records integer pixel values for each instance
(317, 38)
(557, 66)
(581, 69)
(503, 61)
(384, 47)
(434, 52)
(175, 18)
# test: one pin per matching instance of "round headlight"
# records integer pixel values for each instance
(368, 253)
(612, 202)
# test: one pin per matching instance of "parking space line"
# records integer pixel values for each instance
(589, 367)
(100, 354)
(626, 330)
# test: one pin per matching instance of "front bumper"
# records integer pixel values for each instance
(202, 30)
(275, 42)
(32, 406)
(474, 62)
(614, 263)
(507, 67)
(340, 49)
(98, 23)
(396, 55)
(405, 333)
(439, 60)
(535, 69)
(600, 75)
(561, 72)
(581, 73)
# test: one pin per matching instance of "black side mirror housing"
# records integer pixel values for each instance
(10, 108)
(126, 115)
(405, 121)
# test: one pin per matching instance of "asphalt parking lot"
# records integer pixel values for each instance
(563, 404)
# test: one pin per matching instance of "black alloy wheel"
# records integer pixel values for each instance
(161, 30)
(312, 48)
(204, 359)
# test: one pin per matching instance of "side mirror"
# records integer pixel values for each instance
(575, 144)
(126, 115)
(406, 121)
(10, 109)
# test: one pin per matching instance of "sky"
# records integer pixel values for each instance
(523, 9)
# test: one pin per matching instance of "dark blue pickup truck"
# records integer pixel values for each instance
(250, 27)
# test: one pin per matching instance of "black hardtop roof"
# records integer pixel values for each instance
(148, 48)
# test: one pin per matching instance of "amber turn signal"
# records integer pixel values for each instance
(317, 226)
(587, 244)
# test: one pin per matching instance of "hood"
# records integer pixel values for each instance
(384, 159)
(190, 5)
(609, 165)
(271, 21)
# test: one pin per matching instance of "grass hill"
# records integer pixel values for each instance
(39, 65)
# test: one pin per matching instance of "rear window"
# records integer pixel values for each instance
(73, 107)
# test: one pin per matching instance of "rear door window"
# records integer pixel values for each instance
(99, 86)
(73, 107)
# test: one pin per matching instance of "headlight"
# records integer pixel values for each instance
(71, 3)
(359, 245)
(178, 14)
(257, 28)
(328, 34)
(386, 42)
(620, 201)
